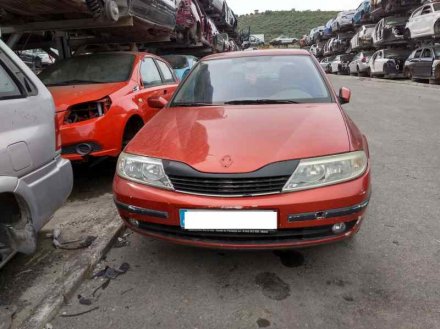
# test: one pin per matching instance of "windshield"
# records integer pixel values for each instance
(268, 79)
(437, 51)
(97, 68)
(177, 62)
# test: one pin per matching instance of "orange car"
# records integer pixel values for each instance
(104, 99)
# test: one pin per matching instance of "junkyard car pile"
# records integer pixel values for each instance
(381, 38)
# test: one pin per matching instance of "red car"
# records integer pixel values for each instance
(104, 99)
(253, 152)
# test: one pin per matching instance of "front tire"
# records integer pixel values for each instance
(131, 129)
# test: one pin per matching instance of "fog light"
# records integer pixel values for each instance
(339, 228)
(133, 222)
(84, 149)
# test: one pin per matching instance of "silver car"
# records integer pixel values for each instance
(34, 180)
(360, 64)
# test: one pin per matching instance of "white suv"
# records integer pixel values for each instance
(424, 22)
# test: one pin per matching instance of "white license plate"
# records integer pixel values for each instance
(225, 220)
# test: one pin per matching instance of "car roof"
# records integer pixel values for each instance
(256, 53)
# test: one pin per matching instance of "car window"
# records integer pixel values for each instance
(275, 78)
(436, 6)
(437, 51)
(426, 10)
(97, 68)
(166, 72)
(417, 12)
(8, 88)
(149, 73)
(427, 53)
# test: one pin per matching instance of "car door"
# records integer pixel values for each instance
(414, 23)
(415, 63)
(169, 80)
(426, 20)
(425, 64)
(353, 63)
(27, 118)
(151, 86)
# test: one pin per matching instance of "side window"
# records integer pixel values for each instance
(427, 53)
(149, 73)
(418, 53)
(8, 88)
(379, 55)
(426, 10)
(166, 72)
(417, 13)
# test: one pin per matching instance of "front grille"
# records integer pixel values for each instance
(267, 180)
(286, 235)
(231, 187)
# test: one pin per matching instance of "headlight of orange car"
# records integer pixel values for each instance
(328, 170)
(144, 170)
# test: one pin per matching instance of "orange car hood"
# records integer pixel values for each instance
(65, 96)
(245, 137)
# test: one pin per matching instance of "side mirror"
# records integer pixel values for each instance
(157, 102)
(344, 95)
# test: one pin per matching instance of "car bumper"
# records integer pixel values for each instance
(101, 134)
(46, 189)
(305, 218)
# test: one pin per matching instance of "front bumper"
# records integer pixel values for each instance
(104, 134)
(305, 218)
(46, 189)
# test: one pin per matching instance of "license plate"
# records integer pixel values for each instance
(228, 220)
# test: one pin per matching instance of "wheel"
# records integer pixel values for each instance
(112, 10)
(408, 73)
(407, 34)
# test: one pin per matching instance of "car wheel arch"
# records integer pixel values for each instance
(132, 126)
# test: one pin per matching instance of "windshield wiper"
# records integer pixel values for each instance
(177, 104)
(261, 101)
(73, 82)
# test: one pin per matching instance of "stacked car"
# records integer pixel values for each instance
(384, 38)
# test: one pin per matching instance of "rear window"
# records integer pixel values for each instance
(97, 68)
(275, 78)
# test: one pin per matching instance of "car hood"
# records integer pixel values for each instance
(252, 136)
(65, 96)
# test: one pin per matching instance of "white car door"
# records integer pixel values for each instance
(425, 21)
(380, 62)
(414, 23)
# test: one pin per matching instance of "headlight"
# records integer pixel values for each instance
(143, 170)
(329, 170)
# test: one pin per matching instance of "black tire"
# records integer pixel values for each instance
(408, 74)
(407, 34)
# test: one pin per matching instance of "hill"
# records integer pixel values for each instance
(291, 23)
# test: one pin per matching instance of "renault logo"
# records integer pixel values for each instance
(226, 161)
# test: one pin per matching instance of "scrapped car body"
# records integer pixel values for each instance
(339, 65)
(181, 64)
(390, 31)
(424, 22)
(154, 19)
(326, 64)
(424, 64)
(317, 33)
(34, 180)
(191, 23)
(327, 33)
(103, 99)
(198, 174)
(363, 39)
(344, 21)
(382, 8)
(362, 13)
(283, 40)
(388, 63)
(360, 65)
(316, 50)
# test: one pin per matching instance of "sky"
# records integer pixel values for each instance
(247, 6)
